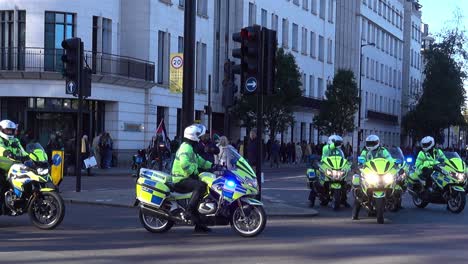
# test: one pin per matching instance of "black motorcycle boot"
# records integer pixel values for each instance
(201, 229)
(356, 209)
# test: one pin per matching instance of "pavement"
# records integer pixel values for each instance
(114, 187)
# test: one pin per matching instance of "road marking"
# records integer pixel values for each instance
(287, 178)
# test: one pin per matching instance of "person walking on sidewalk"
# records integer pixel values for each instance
(106, 146)
(275, 153)
(298, 152)
(85, 152)
(96, 149)
(252, 150)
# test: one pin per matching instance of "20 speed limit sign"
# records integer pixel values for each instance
(177, 62)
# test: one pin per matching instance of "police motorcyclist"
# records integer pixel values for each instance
(373, 150)
(10, 152)
(427, 158)
(185, 170)
(333, 148)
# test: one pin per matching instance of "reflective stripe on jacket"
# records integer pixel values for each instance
(380, 152)
(5, 146)
(331, 150)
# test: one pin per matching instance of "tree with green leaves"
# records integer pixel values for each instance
(337, 111)
(442, 102)
(278, 109)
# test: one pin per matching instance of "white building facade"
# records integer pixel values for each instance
(128, 46)
(374, 40)
(305, 28)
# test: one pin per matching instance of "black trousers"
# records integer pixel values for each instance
(196, 187)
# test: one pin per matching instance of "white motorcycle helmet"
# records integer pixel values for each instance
(7, 129)
(372, 142)
(337, 140)
(194, 132)
(427, 143)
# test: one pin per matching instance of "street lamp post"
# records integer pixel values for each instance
(360, 94)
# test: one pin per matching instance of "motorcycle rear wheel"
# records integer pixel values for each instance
(419, 202)
(155, 224)
(47, 210)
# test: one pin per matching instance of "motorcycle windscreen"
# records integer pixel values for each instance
(236, 163)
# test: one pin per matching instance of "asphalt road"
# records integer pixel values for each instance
(99, 234)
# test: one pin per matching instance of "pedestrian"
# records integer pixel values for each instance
(96, 149)
(275, 154)
(283, 153)
(222, 157)
(106, 146)
(298, 153)
(308, 153)
(207, 149)
(252, 150)
(85, 152)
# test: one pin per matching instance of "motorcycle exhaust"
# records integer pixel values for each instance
(159, 213)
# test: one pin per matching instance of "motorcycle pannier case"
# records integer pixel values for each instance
(151, 188)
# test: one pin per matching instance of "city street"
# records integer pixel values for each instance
(102, 234)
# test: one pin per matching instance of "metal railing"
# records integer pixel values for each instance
(49, 60)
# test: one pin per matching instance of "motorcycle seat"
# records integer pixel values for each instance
(177, 195)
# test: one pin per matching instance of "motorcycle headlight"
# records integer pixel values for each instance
(372, 178)
(253, 183)
(337, 174)
(42, 171)
(388, 178)
(460, 176)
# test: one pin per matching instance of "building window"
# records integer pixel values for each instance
(8, 35)
(181, 3)
(321, 48)
(180, 44)
(295, 29)
(363, 29)
(202, 8)
(313, 41)
(322, 9)
(201, 60)
(320, 88)
(382, 77)
(252, 14)
(305, 4)
(313, 7)
(330, 51)
(274, 22)
(58, 26)
(102, 42)
(164, 44)
(311, 86)
(285, 33)
(367, 67)
(330, 11)
(372, 70)
(264, 18)
(296, 2)
(304, 41)
(304, 83)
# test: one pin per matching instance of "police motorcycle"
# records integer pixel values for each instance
(393, 203)
(447, 186)
(457, 168)
(327, 180)
(374, 186)
(229, 199)
(29, 192)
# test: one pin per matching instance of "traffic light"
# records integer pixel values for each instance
(270, 46)
(86, 78)
(72, 57)
(249, 55)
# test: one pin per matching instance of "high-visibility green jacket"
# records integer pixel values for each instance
(8, 147)
(429, 158)
(380, 152)
(331, 150)
(187, 163)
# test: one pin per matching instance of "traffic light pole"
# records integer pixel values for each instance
(79, 123)
(260, 89)
(188, 96)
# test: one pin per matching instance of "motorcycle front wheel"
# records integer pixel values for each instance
(248, 221)
(457, 202)
(379, 209)
(47, 210)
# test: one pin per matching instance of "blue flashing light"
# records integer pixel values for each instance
(230, 184)
(409, 159)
